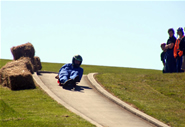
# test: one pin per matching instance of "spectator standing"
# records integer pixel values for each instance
(182, 48)
(163, 54)
(170, 65)
(177, 52)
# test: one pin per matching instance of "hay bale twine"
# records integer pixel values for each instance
(24, 50)
(17, 74)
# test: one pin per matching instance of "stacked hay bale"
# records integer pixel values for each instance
(24, 50)
(37, 63)
(27, 50)
(17, 74)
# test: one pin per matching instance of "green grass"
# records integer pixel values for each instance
(159, 95)
(34, 108)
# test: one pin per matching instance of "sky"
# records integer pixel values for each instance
(105, 33)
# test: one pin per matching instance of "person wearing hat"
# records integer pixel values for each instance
(177, 52)
(182, 46)
(70, 73)
(170, 65)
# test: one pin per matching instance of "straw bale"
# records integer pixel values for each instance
(17, 74)
(32, 61)
(19, 78)
(24, 50)
(23, 61)
(37, 63)
(27, 50)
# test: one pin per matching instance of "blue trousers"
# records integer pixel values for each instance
(69, 72)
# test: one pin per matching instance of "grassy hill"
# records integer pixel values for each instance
(159, 95)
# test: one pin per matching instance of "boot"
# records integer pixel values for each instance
(77, 79)
(69, 81)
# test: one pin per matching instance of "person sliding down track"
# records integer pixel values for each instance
(71, 73)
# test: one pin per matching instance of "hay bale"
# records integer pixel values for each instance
(23, 61)
(17, 74)
(24, 50)
(37, 63)
(18, 78)
(27, 50)
(32, 62)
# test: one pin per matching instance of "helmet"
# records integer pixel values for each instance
(79, 58)
(180, 29)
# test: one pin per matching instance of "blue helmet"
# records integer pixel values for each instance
(181, 30)
(79, 58)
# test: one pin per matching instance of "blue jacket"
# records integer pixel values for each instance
(68, 70)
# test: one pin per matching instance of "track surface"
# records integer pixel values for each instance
(88, 101)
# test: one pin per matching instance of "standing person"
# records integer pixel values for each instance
(170, 60)
(177, 52)
(71, 73)
(163, 54)
(182, 48)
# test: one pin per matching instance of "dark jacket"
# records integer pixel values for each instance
(171, 40)
(182, 45)
(163, 54)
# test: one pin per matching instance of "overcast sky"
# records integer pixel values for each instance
(110, 33)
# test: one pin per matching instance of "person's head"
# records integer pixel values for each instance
(171, 32)
(180, 31)
(77, 60)
(163, 46)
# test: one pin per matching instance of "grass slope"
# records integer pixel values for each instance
(34, 108)
(159, 95)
